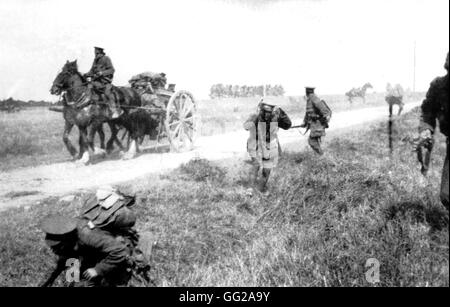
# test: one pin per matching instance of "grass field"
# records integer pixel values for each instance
(34, 135)
(324, 218)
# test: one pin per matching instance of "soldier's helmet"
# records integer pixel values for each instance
(264, 106)
(58, 228)
(446, 63)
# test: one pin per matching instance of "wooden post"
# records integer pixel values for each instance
(414, 70)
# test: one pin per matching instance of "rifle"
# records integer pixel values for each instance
(423, 148)
(391, 147)
(301, 126)
(60, 266)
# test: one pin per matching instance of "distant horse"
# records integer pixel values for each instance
(358, 92)
(82, 113)
(394, 96)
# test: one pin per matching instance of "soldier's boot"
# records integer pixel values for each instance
(262, 184)
(115, 108)
(315, 145)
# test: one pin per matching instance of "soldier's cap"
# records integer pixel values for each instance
(99, 49)
(310, 88)
(58, 228)
(266, 106)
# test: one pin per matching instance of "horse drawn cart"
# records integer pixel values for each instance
(151, 109)
(173, 110)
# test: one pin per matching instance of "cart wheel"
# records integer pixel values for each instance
(180, 121)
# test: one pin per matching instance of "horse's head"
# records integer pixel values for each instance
(61, 82)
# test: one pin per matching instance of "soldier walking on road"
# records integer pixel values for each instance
(316, 119)
(262, 145)
(435, 108)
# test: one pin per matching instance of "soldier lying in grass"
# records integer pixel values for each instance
(100, 247)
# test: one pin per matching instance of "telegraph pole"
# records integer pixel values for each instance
(414, 71)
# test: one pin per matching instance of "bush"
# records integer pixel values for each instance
(202, 170)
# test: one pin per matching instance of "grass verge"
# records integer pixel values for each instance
(324, 219)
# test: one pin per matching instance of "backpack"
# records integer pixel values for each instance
(114, 217)
(322, 119)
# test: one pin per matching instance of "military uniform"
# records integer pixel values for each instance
(102, 74)
(395, 96)
(316, 112)
(252, 138)
(102, 70)
(435, 108)
(262, 144)
(93, 248)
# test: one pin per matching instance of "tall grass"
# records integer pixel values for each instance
(322, 221)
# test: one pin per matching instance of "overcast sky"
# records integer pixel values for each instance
(332, 44)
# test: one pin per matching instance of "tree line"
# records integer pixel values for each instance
(12, 104)
(233, 91)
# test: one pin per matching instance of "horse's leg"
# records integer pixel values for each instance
(81, 144)
(110, 143)
(91, 136)
(101, 134)
(113, 138)
(118, 142)
(72, 150)
(96, 127)
(133, 135)
(84, 143)
(132, 150)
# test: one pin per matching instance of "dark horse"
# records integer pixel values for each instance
(83, 113)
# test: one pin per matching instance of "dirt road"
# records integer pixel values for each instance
(28, 186)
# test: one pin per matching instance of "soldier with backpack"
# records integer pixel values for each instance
(316, 119)
(99, 248)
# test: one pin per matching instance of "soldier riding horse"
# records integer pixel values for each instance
(358, 92)
(83, 110)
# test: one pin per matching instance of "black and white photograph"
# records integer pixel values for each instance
(236, 145)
